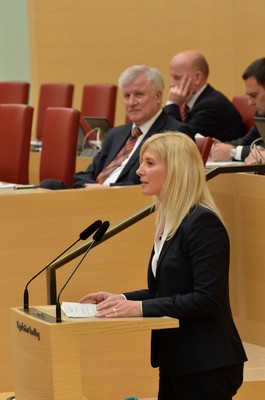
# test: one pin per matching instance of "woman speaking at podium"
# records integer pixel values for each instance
(188, 278)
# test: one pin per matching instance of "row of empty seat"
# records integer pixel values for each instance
(14, 92)
(58, 155)
(98, 100)
(57, 130)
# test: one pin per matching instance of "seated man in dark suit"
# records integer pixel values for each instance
(254, 79)
(193, 100)
(115, 165)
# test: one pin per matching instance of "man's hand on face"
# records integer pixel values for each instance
(182, 92)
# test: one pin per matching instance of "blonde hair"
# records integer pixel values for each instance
(185, 184)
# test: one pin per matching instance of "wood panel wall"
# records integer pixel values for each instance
(86, 41)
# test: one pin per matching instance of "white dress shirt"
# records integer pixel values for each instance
(144, 128)
(160, 239)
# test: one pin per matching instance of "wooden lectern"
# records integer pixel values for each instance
(48, 357)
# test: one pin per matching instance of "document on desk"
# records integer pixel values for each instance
(7, 185)
(78, 310)
(4, 185)
(222, 163)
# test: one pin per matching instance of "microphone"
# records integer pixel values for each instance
(96, 238)
(83, 236)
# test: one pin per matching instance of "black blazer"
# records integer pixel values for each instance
(246, 141)
(115, 140)
(192, 284)
(212, 115)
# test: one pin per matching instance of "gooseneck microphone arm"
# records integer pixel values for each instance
(96, 238)
(83, 236)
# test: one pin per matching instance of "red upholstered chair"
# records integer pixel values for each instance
(52, 95)
(98, 100)
(59, 143)
(204, 145)
(246, 111)
(15, 133)
(14, 92)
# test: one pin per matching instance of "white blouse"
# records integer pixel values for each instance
(160, 239)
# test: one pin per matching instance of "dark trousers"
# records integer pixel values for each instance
(218, 384)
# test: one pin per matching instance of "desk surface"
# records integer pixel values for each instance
(10, 191)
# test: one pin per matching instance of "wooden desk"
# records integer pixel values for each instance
(241, 198)
(54, 359)
(37, 225)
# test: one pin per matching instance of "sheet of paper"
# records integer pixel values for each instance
(15, 186)
(7, 185)
(222, 163)
(78, 310)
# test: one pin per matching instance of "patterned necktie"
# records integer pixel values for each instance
(183, 110)
(121, 156)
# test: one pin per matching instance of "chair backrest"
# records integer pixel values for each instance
(98, 100)
(15, 134)
(52, 95)
(204, 145)
(59, 144)
(14, 92)
(246, 111)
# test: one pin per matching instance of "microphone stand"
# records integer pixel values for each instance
(58, 305)
(96, 238)
(83, 236)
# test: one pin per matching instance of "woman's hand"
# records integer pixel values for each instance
(117, 307)
(111, 305)
(96, 298)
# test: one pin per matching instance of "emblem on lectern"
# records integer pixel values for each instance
(27, 329)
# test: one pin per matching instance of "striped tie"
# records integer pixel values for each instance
(183, 110)
(121, 156)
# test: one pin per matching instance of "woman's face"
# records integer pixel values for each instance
(152, 173)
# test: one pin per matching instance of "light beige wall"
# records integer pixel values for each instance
(87, 41)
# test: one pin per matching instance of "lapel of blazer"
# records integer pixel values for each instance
(157, 127)
(164, 250)
(168, 243)
(204, 94)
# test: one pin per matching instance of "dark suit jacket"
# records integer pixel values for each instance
(192, 284)
(115, 140)
(246, 140)
(212, 115)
